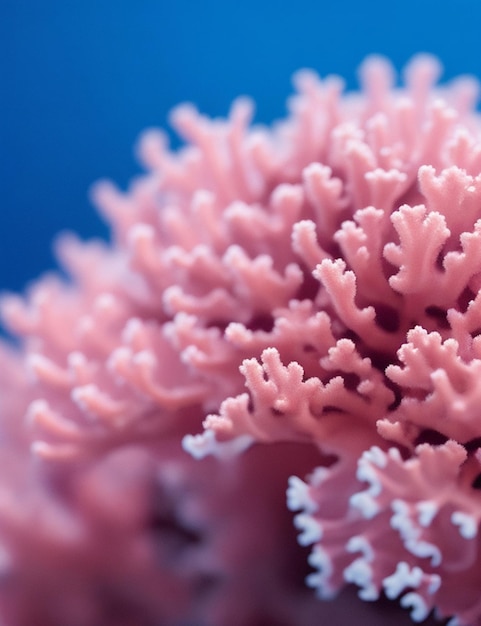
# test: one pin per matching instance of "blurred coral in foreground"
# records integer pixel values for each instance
(331, 265)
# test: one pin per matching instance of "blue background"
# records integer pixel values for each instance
(80, 80)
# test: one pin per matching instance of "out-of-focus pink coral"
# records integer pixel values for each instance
(331, 265)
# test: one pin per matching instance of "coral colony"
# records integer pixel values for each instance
(288, 308)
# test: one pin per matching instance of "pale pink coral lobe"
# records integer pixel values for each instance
(297, 301)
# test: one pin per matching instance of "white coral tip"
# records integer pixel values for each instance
(311, 529)
(402, 578)
(205, 444)
(361, 544)
(298, 496)
(419, 608)
(360, 573)
(427, 512)
(365, 503)
(467, 524)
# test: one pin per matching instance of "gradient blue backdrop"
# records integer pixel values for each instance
(80, 80)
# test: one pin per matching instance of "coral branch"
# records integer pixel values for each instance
(285, 298)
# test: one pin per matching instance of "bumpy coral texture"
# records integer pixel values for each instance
(331, 266)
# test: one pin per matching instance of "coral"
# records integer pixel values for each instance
(287, 302)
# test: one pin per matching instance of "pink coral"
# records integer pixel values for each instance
(331, 265)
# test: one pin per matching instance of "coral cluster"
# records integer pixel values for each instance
(289, 308)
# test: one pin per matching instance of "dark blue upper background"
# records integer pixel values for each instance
(80, 80)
